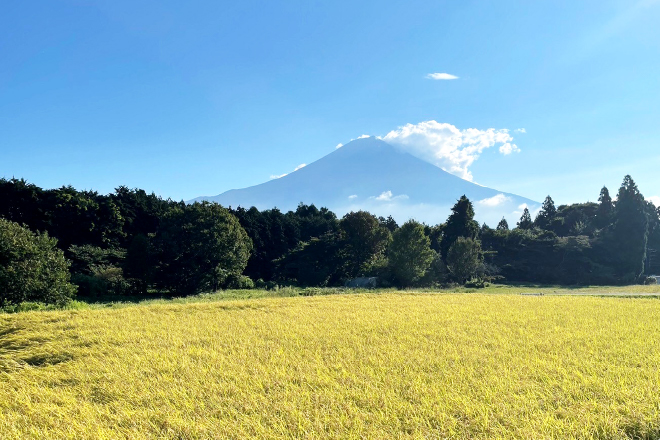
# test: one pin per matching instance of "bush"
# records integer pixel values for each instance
(104, 281)
(650, 280)
(235, 281)
(31, 267)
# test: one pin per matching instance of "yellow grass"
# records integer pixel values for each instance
(391, 365)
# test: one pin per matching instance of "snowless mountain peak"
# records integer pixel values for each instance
(370, 174)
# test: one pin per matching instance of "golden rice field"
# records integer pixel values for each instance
(372, 366)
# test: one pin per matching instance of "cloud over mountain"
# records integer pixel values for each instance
(448, 147)
(495, 200)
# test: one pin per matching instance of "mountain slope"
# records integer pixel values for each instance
(371, 174)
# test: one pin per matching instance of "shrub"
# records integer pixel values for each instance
(31, 267)
(235, 281)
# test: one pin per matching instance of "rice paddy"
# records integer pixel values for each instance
(371, 365)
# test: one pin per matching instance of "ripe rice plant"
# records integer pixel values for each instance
(390, 365)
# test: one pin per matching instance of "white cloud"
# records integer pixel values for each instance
(387, 196)
(353, 196)
(364, 136)
(520, 130)
(446, 146)
(508, 148)
(339, 145)
(655, 200)
(440, 76)
(521, 209)
(495, 200)
(279, 176)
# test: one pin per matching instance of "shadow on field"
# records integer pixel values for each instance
(132, 299)
(11, 348)
(637, 431)
(8, 344)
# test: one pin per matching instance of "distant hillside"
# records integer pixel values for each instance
(373, 175)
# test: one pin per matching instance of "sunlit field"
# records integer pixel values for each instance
(368, 365)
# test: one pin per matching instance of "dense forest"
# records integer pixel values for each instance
(59, 243)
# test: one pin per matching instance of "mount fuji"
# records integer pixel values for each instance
(373, 175)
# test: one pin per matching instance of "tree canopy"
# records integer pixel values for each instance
(31, 267)
(410, 254)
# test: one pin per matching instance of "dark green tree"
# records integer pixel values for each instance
(464, 259)
(503, 225)
(546, 215)
(388, 223)
(273, 235)
(139, 264)
(198, 247)
(139, 211)
(409, 254)
(31, 267)
(313, 222)
(363, 242)
(605, 209)
(434, 233)
(525, 221)
(460, 223)
(630, 231)
(313, 263)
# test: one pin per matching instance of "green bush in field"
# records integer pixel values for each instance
(31, 267)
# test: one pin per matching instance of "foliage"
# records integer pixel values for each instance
(97, 271)
(605, 208)
(464, 259)
(503, 225)
(139, 264)
(460, 223)
(410, 254)
(546, 215)
(129, 242)
(388, 223)
(629, 232)
(363, 242)
(31, 267)
(313, 263)
(525, 221)
(193, 242)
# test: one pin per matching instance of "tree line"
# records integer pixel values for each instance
(58, 243)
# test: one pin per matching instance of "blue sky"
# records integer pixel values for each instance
(195, 98)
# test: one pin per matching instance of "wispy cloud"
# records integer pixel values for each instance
(364, 136)
(352, 197)
(495, 200)
(441, 76)
(521, 209)
(279, 176)
(448, 147)
(520, 130)
(387, 196)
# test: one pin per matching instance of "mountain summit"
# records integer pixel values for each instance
(373, 175)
